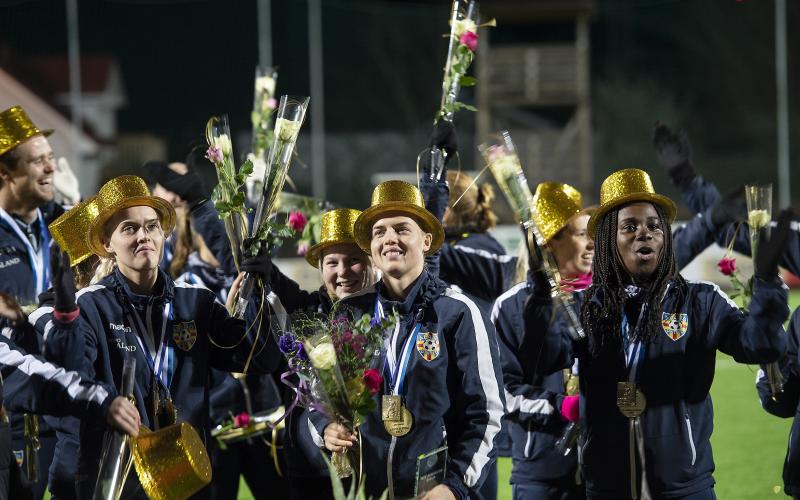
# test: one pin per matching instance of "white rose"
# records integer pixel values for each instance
(323, 357)
(287, 129)
(465, 25)
(265, 84)
(758, 218)
(223, 143)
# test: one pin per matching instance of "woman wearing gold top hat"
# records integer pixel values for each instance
(175, 332)
(442, 358)
(344, 269)
(647, 361)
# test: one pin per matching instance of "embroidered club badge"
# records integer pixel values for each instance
(184, 334)
(428, 345)
(675, 325)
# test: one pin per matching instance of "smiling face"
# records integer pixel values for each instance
(398, 246)
(135, 238)
(31, 179)
(573, 248)
(345, 269)
(640, 240)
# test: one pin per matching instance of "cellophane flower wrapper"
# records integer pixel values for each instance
(502, 160)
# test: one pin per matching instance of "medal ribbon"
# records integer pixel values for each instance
(634, 351)
(395, 371)
(40, 261)
(155, 359)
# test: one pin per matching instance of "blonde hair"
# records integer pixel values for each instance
(184, 243)
(521, 269)
(473, 212)
(103, 269)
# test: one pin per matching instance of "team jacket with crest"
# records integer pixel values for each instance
(532, 401)
(701, 195)
(786, 404)
(199, 335)
(675, 377)
(453, 387)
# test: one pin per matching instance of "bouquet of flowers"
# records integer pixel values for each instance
(291, 113)
(502, 160)
(264, 104)
(228, 196)
(338, 361)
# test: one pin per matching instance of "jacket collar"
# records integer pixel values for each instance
(422, 294)
(164, 290)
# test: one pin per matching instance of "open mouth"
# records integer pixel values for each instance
(346, 284)
(48, 181)
(392, 253)
(646, 253)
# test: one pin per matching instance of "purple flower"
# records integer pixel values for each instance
(288, 344)
(214, 155)
(301, 352)
(375, 321)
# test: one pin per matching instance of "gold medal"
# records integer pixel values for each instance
(402, 426)
(391, 407)
(630, 400)
(170, 412)
(571, 385)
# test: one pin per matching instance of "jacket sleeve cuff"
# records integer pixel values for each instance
(67, 317)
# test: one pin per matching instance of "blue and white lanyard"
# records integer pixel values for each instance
(396, 372)
(634, 351)
(40, 260)
(156, 360)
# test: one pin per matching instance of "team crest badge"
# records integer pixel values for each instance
(428, 345)
(185, 335)
(19, 456)
(675, 325)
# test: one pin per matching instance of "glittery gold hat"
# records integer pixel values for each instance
(16, 128)
(398, 198)
(337, 229)
(70, 229)
(172, 463)
(124, 192)
(628, 186)
(555, 205)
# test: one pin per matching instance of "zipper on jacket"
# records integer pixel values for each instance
(691, 439)
(528, 442)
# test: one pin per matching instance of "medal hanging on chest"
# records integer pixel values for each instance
(630, 400)
(397, 420)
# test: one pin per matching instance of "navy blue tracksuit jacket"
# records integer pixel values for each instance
(456, 397)
(787, 404)
(532, 401)
(199, 336)
(675, 377)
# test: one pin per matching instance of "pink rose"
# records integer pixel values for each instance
(241, 420)
(571, 408)
(214, 155)
(297, 221)
(469, 39)
(302, 248)
(272, 103)
(727, 266)
(373, 380)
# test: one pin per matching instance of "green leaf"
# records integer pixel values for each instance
(468, 81)
(246, 168)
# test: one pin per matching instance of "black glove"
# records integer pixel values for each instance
(731, 208)
(188, 186)
(770, 250)
(444, 137)
(674, 154)
(63, 280)
(541, 283)
(260, 264)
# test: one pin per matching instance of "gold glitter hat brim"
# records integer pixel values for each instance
(172, 463)
(426, 220)
(70, 229)
(556, 204)
(624, 187)
(337, 229)
(120, 193)
(16, 127)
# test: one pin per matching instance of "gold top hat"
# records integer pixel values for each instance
(628, 186)
(172, 463)
(555, 205)
(70, 229)
(16, 128)
(124, 192)
(337, 229)
(397, 197)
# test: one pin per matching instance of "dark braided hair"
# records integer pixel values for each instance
(603, 321)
